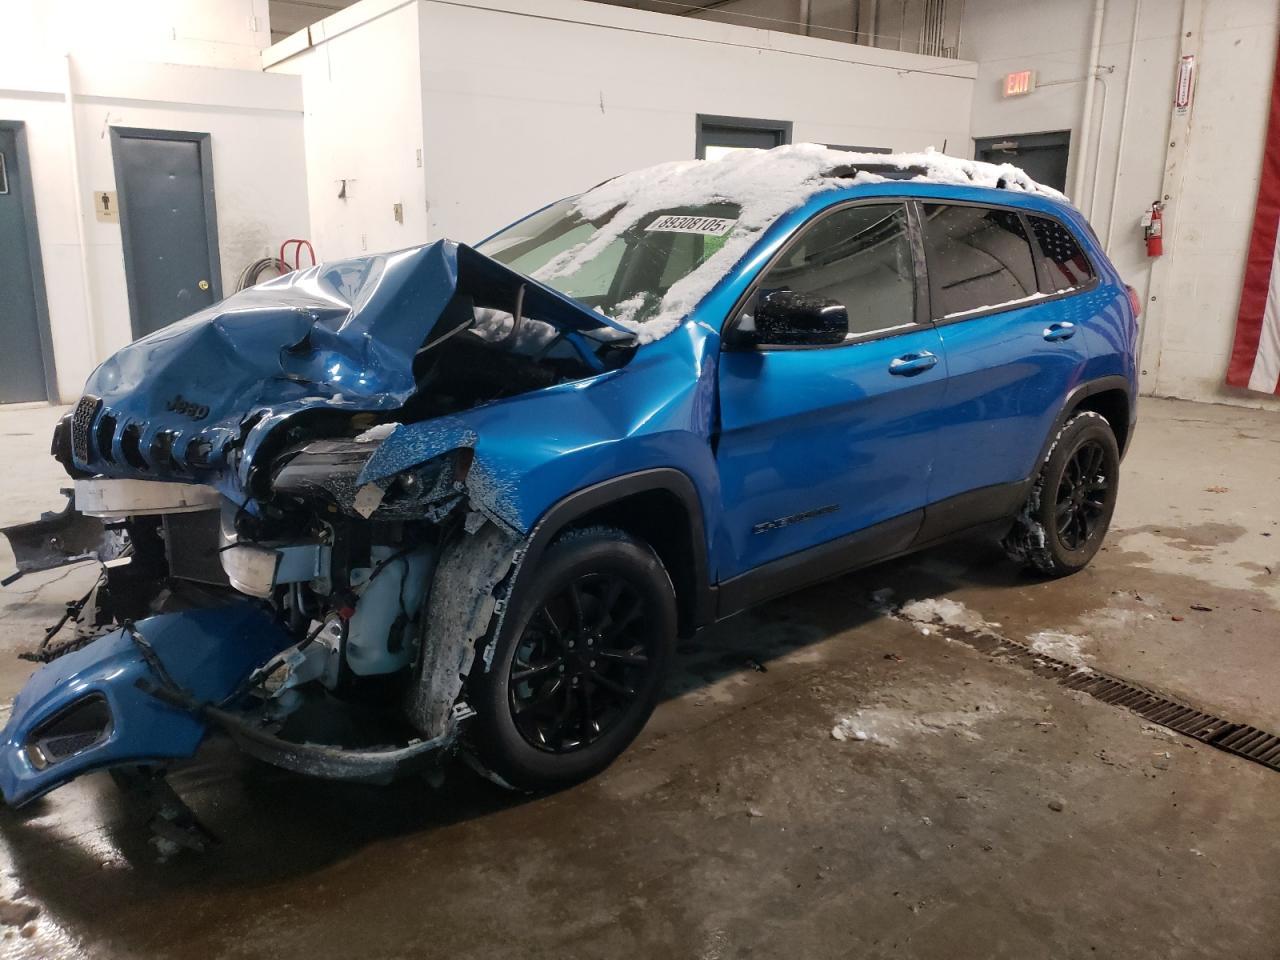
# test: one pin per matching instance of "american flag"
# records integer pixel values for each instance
(1255, 358)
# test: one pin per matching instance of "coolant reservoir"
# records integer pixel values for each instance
(380, 634)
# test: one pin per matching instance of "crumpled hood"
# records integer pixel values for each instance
(340, 335)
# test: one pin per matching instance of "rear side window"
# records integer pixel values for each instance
(859, 256)
(979, 257)
(1065, 265)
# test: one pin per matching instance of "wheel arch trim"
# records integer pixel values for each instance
(604, 493)
(1076, 396)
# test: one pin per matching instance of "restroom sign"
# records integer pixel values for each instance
(1019, 84)
(105, 207)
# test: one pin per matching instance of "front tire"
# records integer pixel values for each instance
(579, 662)
(1067, 514)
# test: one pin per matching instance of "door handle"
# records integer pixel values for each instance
(913, 363)
(1060, 331)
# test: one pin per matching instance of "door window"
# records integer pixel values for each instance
(859, 256)
(979, 257)
(1065, 265)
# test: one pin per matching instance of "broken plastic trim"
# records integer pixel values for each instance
(378, 765)
(58, 539)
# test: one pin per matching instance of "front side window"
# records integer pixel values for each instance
(858, 256)
(1065, 265)
(979, 257)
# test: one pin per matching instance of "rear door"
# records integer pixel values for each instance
(1012, 357)
(818, 443)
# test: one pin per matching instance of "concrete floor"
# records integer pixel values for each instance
(989, 812)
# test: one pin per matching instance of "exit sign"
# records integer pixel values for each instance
(1019, 84)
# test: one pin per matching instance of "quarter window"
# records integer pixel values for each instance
(859, 256)
(979, 257)
(1065, 265)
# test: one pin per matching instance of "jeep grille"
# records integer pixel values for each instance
(81, 424)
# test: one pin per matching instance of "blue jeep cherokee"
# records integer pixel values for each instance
(468, 497)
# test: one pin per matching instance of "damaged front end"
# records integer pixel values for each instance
(271, 486)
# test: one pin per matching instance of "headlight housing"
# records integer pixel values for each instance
(329, 470)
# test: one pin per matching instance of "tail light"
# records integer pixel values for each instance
(1134, 301)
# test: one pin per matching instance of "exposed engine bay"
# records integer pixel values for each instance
(271, 495)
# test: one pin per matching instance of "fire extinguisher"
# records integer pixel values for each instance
(1153, 229)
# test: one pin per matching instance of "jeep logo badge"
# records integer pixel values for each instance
(196, 411)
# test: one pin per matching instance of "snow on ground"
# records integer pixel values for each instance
(764, 185)
(888, 725)
(950, 613)
(1068, 647)
(927, 711)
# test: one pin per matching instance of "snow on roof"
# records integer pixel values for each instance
(765, 185)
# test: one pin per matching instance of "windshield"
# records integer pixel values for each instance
(624, 275)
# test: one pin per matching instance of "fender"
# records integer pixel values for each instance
(1079, 393)
(696, 610)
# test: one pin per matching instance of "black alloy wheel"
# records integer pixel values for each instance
(1082, 499)
(577, 662)
(1068, 511)
(579, 667)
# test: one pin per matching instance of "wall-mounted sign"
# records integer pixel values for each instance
(1186, 84)
(105, 207)
(1019, 84)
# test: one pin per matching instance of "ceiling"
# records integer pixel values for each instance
(667, 6)
(290, 16)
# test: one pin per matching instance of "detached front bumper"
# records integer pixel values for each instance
(98, 706)
(150, 692)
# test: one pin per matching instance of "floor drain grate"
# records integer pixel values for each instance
(1239, 738)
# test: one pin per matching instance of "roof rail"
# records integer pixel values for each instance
(889, 171)
(893, 172)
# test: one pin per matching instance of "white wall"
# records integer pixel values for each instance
(362, 94)
(525, 107)
(1189, 328)
(526, 101)
(255, 123)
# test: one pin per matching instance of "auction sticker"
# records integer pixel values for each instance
(707, 226)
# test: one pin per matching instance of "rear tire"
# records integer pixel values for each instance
(1067, 514)
(578, 663)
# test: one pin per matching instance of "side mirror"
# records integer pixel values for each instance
(790, 318)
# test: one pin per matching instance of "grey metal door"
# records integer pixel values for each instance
(168, 226)
(23, 357)
(719, 134)
(1042, 155)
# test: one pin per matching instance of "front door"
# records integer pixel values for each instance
(167, 222)
(820, 443)
(22, 359)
